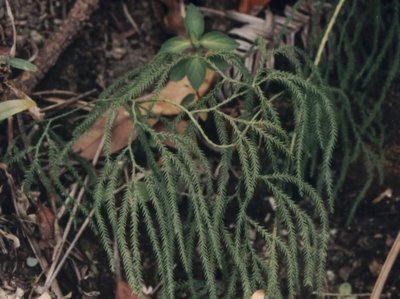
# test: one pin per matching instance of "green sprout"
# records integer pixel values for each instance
(195, 65)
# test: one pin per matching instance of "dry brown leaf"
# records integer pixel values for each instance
(375, 267)
(122, 131)
(11, 294)
(176, 91)
(387, 193)
(45, 219)
(11, 237)
(45, 296)
(123, 127)
(252, 6)
(171, 18)
(259, 294)
(123, 291)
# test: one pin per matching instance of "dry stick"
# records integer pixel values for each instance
(63, 208)
(10, 134)
(65, 103)
(130, 19)
(387, 266)
(16, 196)
(57, 262)
(54, 92)
(12, 54)
(11, 16)
(58, 248)
(57, 265)
(339, 296)
(46, 59)
(56, 44)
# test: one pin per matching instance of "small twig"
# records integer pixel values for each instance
(57, 265)
(387, 193)
(69, 249)
(58, 248)
(54, 92)
(35, 51)
(212, 11)
(16, 195)
(11, 16)
(130, 18)
(61, 103)
(387, 266)
(64, 103)
(62, 209)
(10, 134)
(340, 296)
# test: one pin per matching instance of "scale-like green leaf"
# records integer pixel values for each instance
(175, 45)
(188, 100)
(21, 64)
(219, 63)
(196, 71)
(178, 71)
(218, 41)
(194, 22)
(9, 108)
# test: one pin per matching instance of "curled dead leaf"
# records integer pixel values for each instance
(122, 131)
(123, 291)
(176, 92)
(172, 18)
(259, 294)
(45, 219)
(123, 128)
(8, 293)
(45, 295)
(375, 267)
(11, 237)
(252, 6)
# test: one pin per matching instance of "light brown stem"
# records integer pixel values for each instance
(387, 266)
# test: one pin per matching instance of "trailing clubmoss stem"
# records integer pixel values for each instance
(321, 49)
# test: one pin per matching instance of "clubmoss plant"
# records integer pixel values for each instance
(198, 209)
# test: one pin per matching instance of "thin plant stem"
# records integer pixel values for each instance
(328, 31)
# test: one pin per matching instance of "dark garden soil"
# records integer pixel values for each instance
(108, 46)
